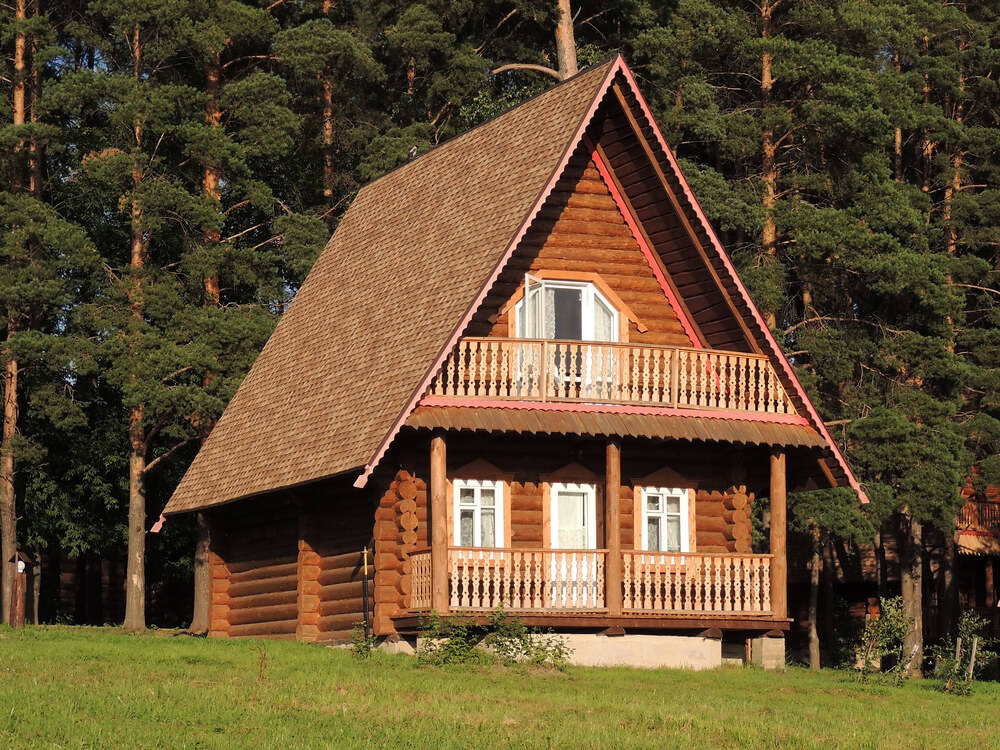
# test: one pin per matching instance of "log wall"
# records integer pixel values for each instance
(254, 568)
(581, 230)
(290, 565)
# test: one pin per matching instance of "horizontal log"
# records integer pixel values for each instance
(264, 629)
(343, 606)
(263, 600)
(717, 538)
(341, 559)
(219, 626)
(265, 586)
(342, 622)
(742, 545)
(348, 590)
(262, 614)
(257, 573)
(343, 575)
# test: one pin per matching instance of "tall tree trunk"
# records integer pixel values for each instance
(881, 572)
(8, 509)
(326, 97)
(911, 565)
(35, 77)
(565, 41)
(200, 619)
(897, 131)
(815, 564)
(829, 600)
(210, 178)
(8, 515)
(769, 164)
(135, 574)
(948, 591)
(135, 585)
(36, 585)
(926, 145)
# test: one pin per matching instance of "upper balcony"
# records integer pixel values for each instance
(537, 370)
(980, 516)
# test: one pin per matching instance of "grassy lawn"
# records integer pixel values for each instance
(97, 688)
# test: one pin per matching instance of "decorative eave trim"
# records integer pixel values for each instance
(660, 411)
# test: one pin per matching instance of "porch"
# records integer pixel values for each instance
(616, 583)
(575, 581)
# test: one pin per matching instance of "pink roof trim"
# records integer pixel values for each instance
(724, 257)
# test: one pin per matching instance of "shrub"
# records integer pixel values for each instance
(882, 643)
(956, 666)
(362, 642)
(502, 640)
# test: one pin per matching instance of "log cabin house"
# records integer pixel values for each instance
(524, 371)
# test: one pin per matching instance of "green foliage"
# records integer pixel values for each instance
(363, 642)
(504, 639)
(955, 666)
(880, 650)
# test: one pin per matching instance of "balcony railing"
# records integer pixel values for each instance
(981, 516)
(537, 370)
(533, 580)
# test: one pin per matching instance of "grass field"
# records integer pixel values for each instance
(100, 688)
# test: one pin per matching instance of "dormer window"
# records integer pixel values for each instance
(565, 310)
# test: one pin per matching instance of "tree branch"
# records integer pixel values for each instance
(526, 66)
(170, 452)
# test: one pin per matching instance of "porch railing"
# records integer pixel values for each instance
(537, 370)
(691, 582)
(526, 580)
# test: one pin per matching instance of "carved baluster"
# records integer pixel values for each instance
(765, 580)
(683, 395)
(647, 584)
(636, 390)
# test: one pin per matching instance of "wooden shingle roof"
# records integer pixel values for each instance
(405, 263)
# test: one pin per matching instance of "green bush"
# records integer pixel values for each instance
(881, 644)
(503, 640)
(955, 666)
(362, 642)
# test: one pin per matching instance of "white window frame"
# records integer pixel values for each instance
(678, 492)
(533, 285)
(477, 529)
(590, 510)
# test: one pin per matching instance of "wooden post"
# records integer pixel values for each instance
(18, 590)
(439, 524)
(307, 575)
(612, 527)
(779, 565)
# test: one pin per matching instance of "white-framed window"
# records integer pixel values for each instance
(565, 310)
(478, 513)
(573, 515)
(665, 519)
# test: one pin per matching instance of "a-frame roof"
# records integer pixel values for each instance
(409, 264)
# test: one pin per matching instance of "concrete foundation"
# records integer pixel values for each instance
(396, 644)
(768, 653)
(648, 651)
